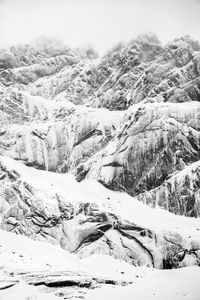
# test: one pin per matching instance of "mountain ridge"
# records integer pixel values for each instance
(101, 155)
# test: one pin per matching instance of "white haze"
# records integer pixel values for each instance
(100, 23)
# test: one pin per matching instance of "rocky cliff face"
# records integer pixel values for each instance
(129, 120)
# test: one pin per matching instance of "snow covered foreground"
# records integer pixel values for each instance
(182, 284)
(22, 257)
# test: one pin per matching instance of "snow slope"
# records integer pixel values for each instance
(24, 261)
(91, 191)
(182, 284)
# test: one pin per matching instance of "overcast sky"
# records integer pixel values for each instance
(101, 23)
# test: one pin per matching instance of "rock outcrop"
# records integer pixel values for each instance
(156, 141)
(86, 218)
(178, 194)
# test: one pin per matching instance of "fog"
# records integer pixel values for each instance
(98, 23)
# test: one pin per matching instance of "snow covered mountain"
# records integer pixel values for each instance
(101, 156)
